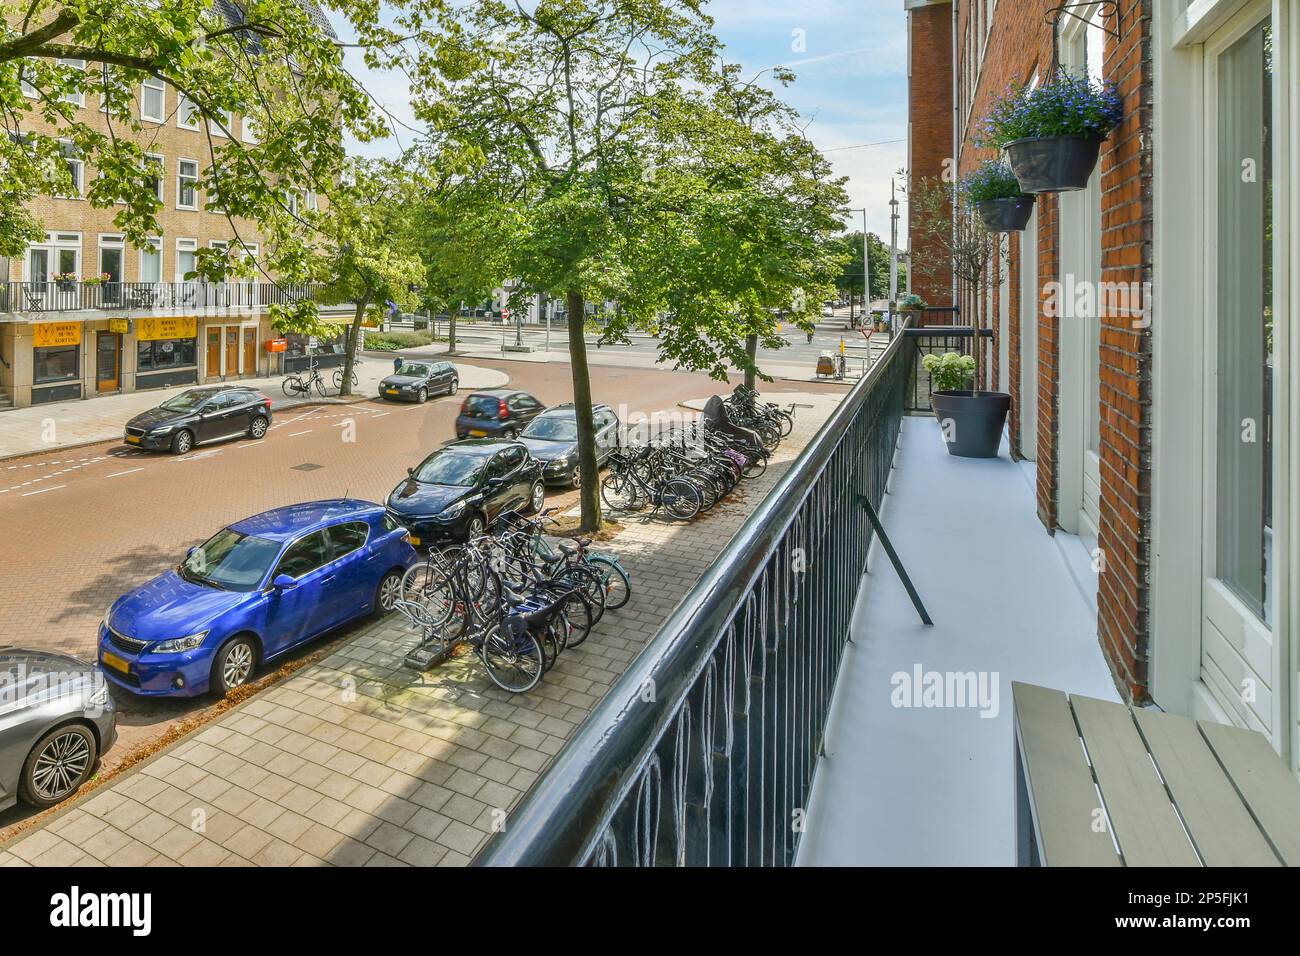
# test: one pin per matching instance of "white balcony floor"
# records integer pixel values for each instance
(933, 786)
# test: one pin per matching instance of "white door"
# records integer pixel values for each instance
(1029, 338)
(1243, 651)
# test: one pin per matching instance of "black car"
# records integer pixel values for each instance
(200, 415)
(500, 412)
(458, 491)
(552, 438)
(416, 381)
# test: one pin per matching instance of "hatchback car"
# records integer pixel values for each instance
(416, 381)
(56, 719)
(552, 438)
(200, 415)
(252, 592)
(496, 412)
(458, 491)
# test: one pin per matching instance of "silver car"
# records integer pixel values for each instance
(56, 719)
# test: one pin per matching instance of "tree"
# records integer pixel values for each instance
(547, 115)
(271, 62)
(849, 281)
(363, 254)
(943, 220)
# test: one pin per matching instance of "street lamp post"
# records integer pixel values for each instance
(866, 269)
(893, 252)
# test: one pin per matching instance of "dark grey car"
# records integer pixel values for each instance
(416, 381)
(56, 718)
(552, 438)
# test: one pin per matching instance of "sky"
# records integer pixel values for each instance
(850, 62)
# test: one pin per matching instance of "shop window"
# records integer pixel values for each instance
(165, 354)
(58, 363)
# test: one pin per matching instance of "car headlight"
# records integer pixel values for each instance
(161, 429)
(178, 644)
(99, 698)
(452, 512)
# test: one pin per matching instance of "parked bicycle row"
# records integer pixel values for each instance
(516, 596)
(691, 468)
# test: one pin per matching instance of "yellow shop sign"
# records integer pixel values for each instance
(121, 326)
(167, 327)
(50, 334)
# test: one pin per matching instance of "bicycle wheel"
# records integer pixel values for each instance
(338, 378)
(513, 663)
(291, 386)
(619, 492)
(681, 498)
(432, 588)
(580, 615)
(587, 580)
(320, 386)
(786, 421)
(618, 587)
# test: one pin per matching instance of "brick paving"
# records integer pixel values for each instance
(357, 761)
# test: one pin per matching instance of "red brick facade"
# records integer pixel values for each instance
(1014, 48)
(930, 108)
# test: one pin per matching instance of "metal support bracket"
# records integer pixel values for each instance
(1107, 9)
(895, 561)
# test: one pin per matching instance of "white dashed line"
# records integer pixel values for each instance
(296, 434)
(129, 471)
(41, 491)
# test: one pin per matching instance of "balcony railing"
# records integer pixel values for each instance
(75, 296)
(703, 752)
(937, 339)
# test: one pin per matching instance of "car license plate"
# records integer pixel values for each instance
(117, 663)
(415, 541)
(478, 433)
(391, 391)
(133, 439)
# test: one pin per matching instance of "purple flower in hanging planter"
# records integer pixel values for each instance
(1068, 106)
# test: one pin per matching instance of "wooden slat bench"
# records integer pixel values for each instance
(1101, 784)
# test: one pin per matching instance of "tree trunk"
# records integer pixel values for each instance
(589, 490)
(451, 331)
(354, 336)
(751, 349)
(977, 343)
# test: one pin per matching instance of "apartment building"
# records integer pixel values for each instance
(85, 314)
(1165, 435)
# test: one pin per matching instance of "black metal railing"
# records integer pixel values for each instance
(702, 753)
(938, 340)
(76, 296)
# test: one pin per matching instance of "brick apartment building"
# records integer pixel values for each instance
(1165, 435)
(84, 314)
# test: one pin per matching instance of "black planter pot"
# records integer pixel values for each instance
(975, 429)
(1009, 214)
(1053, 164)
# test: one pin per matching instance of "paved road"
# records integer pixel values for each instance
(104, 518)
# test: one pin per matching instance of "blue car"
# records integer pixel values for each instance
(252, 592)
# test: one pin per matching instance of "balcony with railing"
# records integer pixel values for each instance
(789, 719)
(34, 299)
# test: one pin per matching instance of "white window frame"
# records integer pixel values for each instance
(185, 244)
(78, 98)
(228, 118)
(161, 160)
(185, 106)
(157, 85)
(180, 162)
(55, 242)
(249, 130)
(81, 170)
(157, 243)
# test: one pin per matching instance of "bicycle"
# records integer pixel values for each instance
(296, 384)
(338, 379)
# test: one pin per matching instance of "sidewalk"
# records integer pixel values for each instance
(41, 428)
(357, 761)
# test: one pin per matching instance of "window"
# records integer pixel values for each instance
(163, 354)
(348, 537)
(109, 85)
(78, 95)
(151, 262)
(187, 180)
(250, 130)
(25, 71)
(154, 170)
(216, 184)
(153, 100)
(187, 114)
(185, 259)
(305, 555)
(292, 200)
(76, 169)
(59, 363)
(223, 121)
(313, 201)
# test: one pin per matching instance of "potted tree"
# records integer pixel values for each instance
(1052, 134)
(971, 418)
(996, 195)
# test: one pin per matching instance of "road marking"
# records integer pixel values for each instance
(129, 471)
(41, 491)
(296, 434)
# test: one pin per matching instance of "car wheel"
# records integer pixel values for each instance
(258, 428)
(537, 497)
(58, 765)
(182, 442)
(422, 396)
(233, 665)
(577, 476)
(476, 527)
(388, 592)
(454, 387)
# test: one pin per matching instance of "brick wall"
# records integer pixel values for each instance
(930, 112)
(1013, 48)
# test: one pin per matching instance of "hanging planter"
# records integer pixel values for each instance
(1052, 134)
(994, 192)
